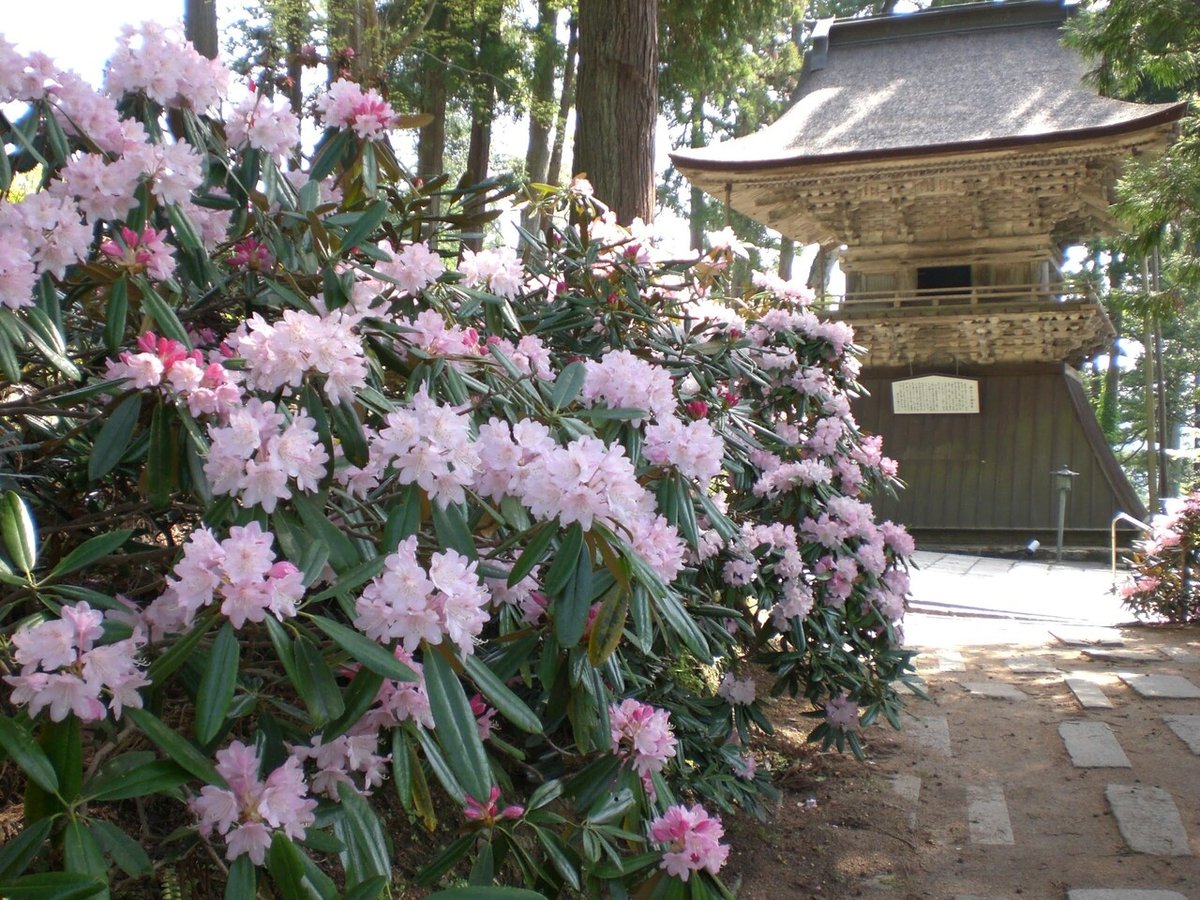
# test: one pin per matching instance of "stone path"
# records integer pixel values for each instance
(1072, 758)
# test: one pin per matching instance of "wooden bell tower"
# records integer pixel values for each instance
(952, 155)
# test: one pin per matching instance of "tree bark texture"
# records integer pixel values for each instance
(565, 102)
(200, 25)
(617, 103)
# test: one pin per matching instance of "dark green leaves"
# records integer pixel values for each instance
(25, 752)
(20, 535)
(456, 729)
(114, 437)
(365, 650)
(217, 684)
(89, 551)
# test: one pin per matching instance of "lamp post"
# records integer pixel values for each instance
(1062, 483)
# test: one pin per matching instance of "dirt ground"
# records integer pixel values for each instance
(841, 828)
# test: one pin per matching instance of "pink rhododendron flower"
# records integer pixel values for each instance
(348, 759)
(842, 712)
(406, 603)
(251, 254)
(622, 380)
(346, 105)
(143, 252)
(499, 271)
(642, 735)
(240, 571)
(489, 812)
(736, 690)
(265, 124)
(157, 61)
(250, 810)
(62, 668)
(412, 268)
(693, 841)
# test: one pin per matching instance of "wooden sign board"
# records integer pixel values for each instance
(935, 394)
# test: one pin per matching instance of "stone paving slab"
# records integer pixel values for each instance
(1185, 655)
(1092, 745)
(1119, 655)
(1031, 665)
(1188, 729)
(907, 787)
(1087, 636)
(1148, 819)
(998, 690)
(1165, 687)
(1122, 894)
(987, 815)
(950, 661)
(1088, 694)
(931, 732)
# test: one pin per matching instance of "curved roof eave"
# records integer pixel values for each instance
(683, 160)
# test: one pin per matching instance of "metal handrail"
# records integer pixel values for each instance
(965, 296)
(1121, 517)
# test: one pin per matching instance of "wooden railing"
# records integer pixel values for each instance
(976, 295)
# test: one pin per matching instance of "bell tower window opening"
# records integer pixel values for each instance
(944, 278)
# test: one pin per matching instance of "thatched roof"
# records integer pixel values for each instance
(976, 77)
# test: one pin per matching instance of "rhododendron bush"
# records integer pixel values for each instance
(1165, 584)
(322, 535)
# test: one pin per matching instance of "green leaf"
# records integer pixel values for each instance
(609, 625)
(364, 226)
(455, 727)
(52, 886)
(90, 551)
(286, 866)
(445, 861)
(486, 893)
(368, 890)
(20, 535)
(506, 702)
(155, 777)
(682, 623)
(17, 853)
(25, 752)
(535, 549)
(176, 746)
(565, 561)
(349, 428)
(366, 651)
(162, 313)
(451, 527)
(9, 364)
(607, 413)
(329, 153)
(81, 853)
(352, 578)
(359, 697)
(161, 458)
(217, 684)
(315, 682)
(367, 853)
(568, 384)
(115, 315)
(573, 603)
(114, 437)
(44, 335)
(559, 856)
(242, 883)
(181, 650)
(440, 768)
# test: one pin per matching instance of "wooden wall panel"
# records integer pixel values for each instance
(991, 472)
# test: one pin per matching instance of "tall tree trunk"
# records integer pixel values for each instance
(787, 255)
(431, 143)
(200, 25)
(541, 104)
(565, 102)
(697, 208)
(541, 89)
(482, 113)
(617, 103)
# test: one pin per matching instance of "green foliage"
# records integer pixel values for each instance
(1165, 585)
